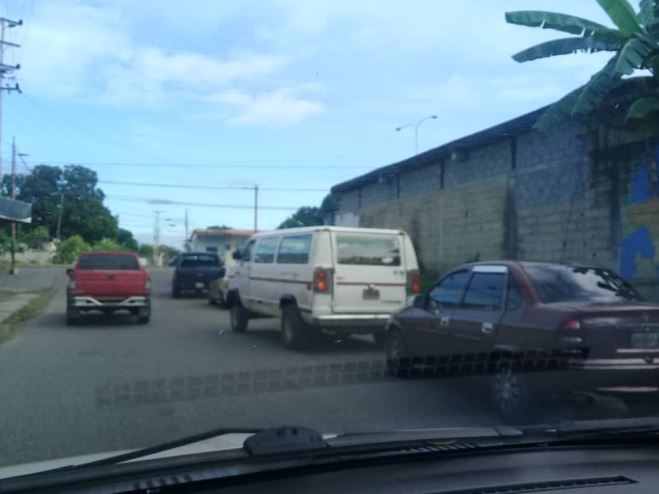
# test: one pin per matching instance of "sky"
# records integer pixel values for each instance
(293, 96)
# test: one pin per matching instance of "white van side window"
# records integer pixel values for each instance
(265, 250)
(368, 250)
(294, 250)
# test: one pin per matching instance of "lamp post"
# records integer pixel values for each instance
(416, 129)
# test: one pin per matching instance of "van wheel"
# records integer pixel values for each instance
(294, 331)
(239, 318)
(398, 361)
(511, 394)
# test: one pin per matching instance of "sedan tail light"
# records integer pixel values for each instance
(572, 324)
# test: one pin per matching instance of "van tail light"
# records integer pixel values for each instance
(414, 282)
(572, 324)
(321, 281)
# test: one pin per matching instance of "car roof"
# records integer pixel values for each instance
(523, 264)
(327, 228)
(113, 252)
(198, 254)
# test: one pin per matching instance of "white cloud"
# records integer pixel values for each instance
(275, 108)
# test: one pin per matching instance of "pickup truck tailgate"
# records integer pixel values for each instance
(110, 283)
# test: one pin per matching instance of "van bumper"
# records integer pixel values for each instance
(352, 323)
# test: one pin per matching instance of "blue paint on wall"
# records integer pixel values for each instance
(637, 243)
(640, 186)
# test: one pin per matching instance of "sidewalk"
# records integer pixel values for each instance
(14, 303)
(30, 279)
(21, 294)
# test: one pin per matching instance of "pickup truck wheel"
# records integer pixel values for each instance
(176, 291)
(72, 316)
(295, 333)
(143, 315)
(512, 395)
(239, 318)
(398, 361)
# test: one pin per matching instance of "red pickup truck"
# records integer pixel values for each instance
(108, 281)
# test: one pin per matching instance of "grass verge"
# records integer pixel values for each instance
(8, 326)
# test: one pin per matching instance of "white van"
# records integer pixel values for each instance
(342, 280)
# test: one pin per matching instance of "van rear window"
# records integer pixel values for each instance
(119, 262)
(368, 250)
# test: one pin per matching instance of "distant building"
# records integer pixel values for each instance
(221, 242)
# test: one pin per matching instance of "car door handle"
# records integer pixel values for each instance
(444, 321)
(487, 327)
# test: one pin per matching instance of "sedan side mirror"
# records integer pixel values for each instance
(237, 255)
(419, 302)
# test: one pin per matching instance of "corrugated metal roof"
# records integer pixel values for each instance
(497, 133)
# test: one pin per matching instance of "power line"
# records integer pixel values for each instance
(168, 202)
(209, 187)
(234, 166)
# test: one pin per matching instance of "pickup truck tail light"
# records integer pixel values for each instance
(321, 281)
(414, 282)
(147, 284)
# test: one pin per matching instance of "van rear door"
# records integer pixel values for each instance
(369, 272)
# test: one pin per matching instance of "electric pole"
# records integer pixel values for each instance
(156, 237)
(6, 70)
(12, 269)
(256, 208)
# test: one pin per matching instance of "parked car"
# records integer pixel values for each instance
(590, 318)
(195, 271)
(108, 282)
(342, 280)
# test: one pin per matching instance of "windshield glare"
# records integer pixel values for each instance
(352, 216)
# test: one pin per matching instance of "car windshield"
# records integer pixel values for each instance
(567, 284)
(354, 216)
(119, 262)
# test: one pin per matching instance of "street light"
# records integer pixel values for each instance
(416, 129)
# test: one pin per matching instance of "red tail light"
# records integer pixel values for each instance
(572, 324)
(321, 281)
(414, 283)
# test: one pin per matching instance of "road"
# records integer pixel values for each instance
(111, 384)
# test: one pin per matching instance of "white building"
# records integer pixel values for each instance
(221, 242)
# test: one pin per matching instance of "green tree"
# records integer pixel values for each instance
(35, 237)
(305, 216)
(108, 244)
(69, 249)
(125, 238)
(616, 95)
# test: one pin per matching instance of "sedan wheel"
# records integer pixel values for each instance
(398, 364)
(511, 395)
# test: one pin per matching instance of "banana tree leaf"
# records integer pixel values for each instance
(622, 14)
(563, 46)
(642, 107)
(632, 56)
(558, 112)
(564, 23)
(648, 11)
(596, 89)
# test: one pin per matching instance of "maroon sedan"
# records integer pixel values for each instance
(538, 328)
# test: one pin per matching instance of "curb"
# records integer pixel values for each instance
(28, 309)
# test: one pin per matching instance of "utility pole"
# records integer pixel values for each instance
(6, 70)
(256, 208)
(58, 233)
(156, 237)
(12, 269)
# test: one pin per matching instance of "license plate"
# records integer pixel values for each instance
(371, 294)
(199, 284)
(642, 339)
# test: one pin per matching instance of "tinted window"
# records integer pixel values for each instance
(448, 292)
(294, 250)
(120, 262)
(485, 291)
(370, 250)
(265, 250)
(198, 261)
(565, 283)
(514, 298)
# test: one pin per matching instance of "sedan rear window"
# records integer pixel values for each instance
(119, 262)
(565, 283)
(368, 250)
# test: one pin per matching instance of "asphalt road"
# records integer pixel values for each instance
(111, 384)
